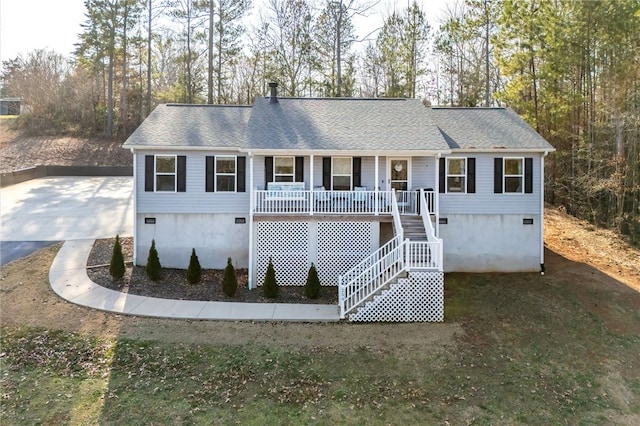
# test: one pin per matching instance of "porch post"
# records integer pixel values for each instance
(436, 194)
(376, 198)
(312, 200)
(252, 193)
(135, 209)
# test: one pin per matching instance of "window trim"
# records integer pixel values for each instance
(292, 174)
(156, 173)
(216, 173)
(334, 174)
(447, 175)
(505, 175)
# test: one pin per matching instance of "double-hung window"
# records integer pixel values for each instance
(284, 169)
(165, 173)
(456, 175)
(341, 173)
(513, 175)
(225, 173)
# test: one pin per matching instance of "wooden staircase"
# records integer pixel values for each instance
(413, 227)
(403, 281)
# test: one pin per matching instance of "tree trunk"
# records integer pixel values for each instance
(124, 106)
(210, 57)
(149, 60)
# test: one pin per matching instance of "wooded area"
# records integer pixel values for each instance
(570, 68)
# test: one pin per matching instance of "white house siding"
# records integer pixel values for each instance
(195, 199)
(491, 243)
(484, 201)
(214, 236)
(423, 173)
(485, 231)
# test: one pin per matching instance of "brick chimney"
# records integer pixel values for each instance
(273, 96)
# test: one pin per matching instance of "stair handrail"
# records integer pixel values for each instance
(370, 275)
(395, 213)
(438, 253)
(426, 217)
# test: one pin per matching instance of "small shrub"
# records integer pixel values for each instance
(153, 269)
(116, 267)
(194, 271)
(229, 280)
(312, 287)
(270, 285)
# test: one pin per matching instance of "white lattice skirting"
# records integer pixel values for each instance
(418, 298)
(334, 247)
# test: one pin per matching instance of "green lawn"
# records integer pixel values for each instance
(533, 350)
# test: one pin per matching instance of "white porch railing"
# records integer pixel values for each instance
(340, 202)
(370, 275)
(322, 202)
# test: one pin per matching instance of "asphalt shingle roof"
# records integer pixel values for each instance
(332, 124)
(208, 126)
(487, 128)
(343, 124)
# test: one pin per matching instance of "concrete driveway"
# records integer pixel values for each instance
(67, 208)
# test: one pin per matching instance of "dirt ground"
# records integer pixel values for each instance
(19, 152)
(579, 241)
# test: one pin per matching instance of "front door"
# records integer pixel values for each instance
(398, 175)
(398, 179)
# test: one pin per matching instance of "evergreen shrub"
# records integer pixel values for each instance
(194, 271)
(312, 286)
(153, 269)
(116, 267)
(270, 285)
(229, 280)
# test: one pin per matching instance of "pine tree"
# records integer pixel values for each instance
(153, 269)
(229, 280)
(194, 271)
(270, 284)
(312, 287)
(116, 267)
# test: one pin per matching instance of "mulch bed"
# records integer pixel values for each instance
(174, 285)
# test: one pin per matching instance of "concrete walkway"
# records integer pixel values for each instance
(68, 278)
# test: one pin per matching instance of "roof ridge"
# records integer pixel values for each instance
(472, 108)
(341, 99)
(207, 105)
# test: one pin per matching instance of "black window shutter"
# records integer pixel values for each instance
(268, 171)
(471, 175)
(442, 172)
(357, 171)
(241, 173)
(299, 177)
(209, 175)
(148, 173)
(326, 173)
(497, 175)
(528, 175)
(182, 173)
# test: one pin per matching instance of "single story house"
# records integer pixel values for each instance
(382, 195)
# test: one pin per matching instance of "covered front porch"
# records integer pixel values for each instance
(341, 182)
(334, 212)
